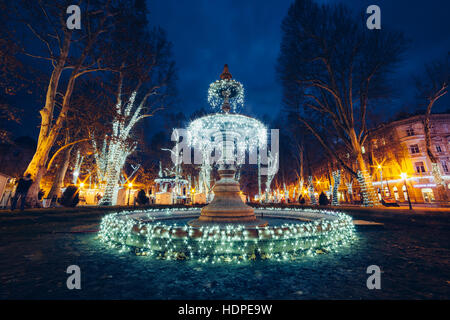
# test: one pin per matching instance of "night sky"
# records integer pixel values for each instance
(246, 35)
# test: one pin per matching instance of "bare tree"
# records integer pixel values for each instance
(431, 86)
(143, 78)
(89, 112)
(340, 68)
(70, 54)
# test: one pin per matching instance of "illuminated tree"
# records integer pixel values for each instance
(144, 74)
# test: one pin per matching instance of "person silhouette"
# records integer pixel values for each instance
(21, 192)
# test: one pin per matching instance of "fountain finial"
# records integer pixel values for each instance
(226, 75)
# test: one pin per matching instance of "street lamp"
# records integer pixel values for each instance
(130, 185)
(404, 176)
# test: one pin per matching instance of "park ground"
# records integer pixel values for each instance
(36, 246)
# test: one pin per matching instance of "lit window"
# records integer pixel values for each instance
(420, 167)
(410, 132)
(414, 148)
(363, 150)
(444, 166)
(375, 143)
(405, 192)
(438, 148)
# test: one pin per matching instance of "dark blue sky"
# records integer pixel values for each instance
(246, 35)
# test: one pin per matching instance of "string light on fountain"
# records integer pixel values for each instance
(226, 93)
(228, 230)
(149, 233)
(230, 134)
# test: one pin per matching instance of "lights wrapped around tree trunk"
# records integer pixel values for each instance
(369, 196)
(349, 187)
(336, 182)
(119, 146)
(312, 196)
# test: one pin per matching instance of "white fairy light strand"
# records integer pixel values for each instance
(147, 235)
(234, 88)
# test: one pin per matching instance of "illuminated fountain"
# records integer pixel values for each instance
(231, 135)
(227, 229)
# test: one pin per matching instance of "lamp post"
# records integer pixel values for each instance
(129, 192)
(404, 176)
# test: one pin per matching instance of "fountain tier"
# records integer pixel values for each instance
(231, 135)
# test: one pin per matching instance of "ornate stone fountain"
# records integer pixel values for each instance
(227, 230)
(223, 131)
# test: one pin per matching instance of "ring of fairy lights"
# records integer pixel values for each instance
(146, 233)
(247, 132)
(235, 91)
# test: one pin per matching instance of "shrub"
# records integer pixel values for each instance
(141, 198)
(70, 197)
(323, 200)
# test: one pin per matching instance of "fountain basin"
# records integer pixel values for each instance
(165, 234)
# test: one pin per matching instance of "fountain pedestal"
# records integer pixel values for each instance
(227, 206)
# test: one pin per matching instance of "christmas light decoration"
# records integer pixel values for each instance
(223, 89)
(312, 196)
(349, 187)
(336, 182)
(247, 133)
(117, 147)
(436, 173)
(146, 233)
(370, 198)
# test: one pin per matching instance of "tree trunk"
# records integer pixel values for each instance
(364, 178)
(47, 134)
(37, 170)
(112, 188)
(55, 191)
(335, 189)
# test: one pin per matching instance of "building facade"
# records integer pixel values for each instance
(390, 150)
